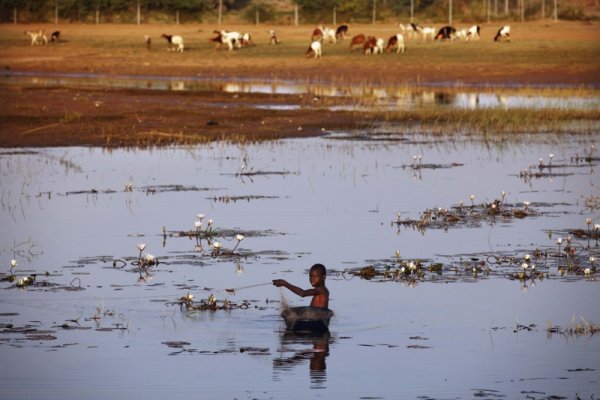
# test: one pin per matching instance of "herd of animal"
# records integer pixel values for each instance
(233, 40)
(375, 45)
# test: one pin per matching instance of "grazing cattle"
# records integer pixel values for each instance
(373, 45)
(55, 36)
(273, 37)
(37, 37)
(175, 42)
(474, 32)
(396, 41)
(426, 32)
(445, 33)
(341, 32)
(357, 40)
(148, 41)
(503, 34)
(314, 50)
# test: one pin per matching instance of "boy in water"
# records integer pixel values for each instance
(319, 292)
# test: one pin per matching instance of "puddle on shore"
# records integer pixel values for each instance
(73, 219)
(371, 97)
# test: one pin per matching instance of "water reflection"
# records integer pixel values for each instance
(297, 348)
(390, 97)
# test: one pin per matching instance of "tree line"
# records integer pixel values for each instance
(283, 11)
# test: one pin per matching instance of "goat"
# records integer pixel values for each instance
(317, 34)
(328, 35)
(461, 34)
(396, 41)
(503, 34)
(357, 40)
(273, 37)
(474, 32)
(314, 49)
(231, 39)
(37, 37)
(373, 45)
(148, 41)
(426, 32)
(55, 36)
(408, 30)
(445, 33)
(246, 40)
(175, 42)
(341, 32)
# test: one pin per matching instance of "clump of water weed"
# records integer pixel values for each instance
(467, 215)
(575, 328)
(209, 304)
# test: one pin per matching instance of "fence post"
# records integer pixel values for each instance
(295, 14)
(374, 11)
(220, 12)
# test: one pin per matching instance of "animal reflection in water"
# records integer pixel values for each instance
(297, 348)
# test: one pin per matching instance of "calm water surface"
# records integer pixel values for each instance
(330, 200)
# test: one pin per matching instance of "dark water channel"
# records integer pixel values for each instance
(91, 326)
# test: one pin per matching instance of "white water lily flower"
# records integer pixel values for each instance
(597, 227)
(524, 265)
(398, 253)
(13, 263)
(149, 258)
(587, 271)
(559, 241)
(588, 221)
(210, 222)
(527, 257)
(526, 203)
(188, 297)
(472, 197)
(592, 259)
(412, 266)
(141, 246)
(200, 216)
(551, 156)
(216, 245)
(503, 193)
(198, 224)
(532, 266)
(239, 237)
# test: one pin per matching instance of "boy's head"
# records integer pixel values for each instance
(317, 275)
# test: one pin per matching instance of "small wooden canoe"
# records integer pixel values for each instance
(307, 319)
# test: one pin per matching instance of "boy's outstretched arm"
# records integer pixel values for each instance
(299, 291)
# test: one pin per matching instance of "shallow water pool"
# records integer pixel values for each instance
(94, 325)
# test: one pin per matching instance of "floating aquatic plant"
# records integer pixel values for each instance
(209, 304)
(459, 215)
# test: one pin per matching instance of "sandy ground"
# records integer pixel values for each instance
(540, 54)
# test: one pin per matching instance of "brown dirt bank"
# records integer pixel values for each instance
(99, 117)
(541, 54)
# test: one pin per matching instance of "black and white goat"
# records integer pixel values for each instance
(175, 42)
(503, 34)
